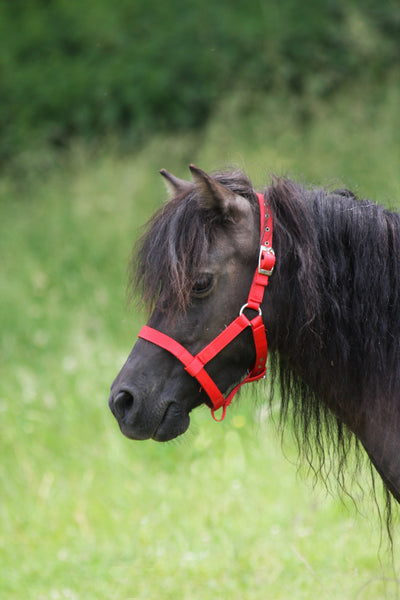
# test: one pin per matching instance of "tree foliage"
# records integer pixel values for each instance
(71, 68)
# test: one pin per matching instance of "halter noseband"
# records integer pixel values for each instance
(194, 365)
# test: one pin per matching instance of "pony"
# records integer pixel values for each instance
(331, 314)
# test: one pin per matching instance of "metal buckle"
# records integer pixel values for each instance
(271, 261)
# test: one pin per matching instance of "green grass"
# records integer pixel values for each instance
(220, 513)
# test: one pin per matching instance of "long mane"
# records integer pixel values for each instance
(340, 288)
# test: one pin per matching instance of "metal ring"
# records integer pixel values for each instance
(245, 306)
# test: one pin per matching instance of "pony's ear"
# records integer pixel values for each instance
(174, 184)
(216, 196)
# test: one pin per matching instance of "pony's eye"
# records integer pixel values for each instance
(203, 284)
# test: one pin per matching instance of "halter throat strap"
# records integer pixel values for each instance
(195, 365)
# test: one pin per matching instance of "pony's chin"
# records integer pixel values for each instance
(171, 425)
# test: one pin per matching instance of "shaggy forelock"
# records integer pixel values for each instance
(175, 244)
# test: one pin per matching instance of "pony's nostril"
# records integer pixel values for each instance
(123, 402)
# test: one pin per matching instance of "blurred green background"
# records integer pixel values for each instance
(95, 97)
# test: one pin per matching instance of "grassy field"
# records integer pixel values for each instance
(220, 513)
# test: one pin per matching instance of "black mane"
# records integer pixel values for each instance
(341, 314)
(343, 291)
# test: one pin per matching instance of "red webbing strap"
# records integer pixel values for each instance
(259, 369)
(222, 340)
(266, 258)
(194, 365)
(185, 357)
(261, 346)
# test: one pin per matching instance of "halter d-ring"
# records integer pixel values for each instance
(244, 308)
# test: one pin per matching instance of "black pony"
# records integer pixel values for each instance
(331, 310)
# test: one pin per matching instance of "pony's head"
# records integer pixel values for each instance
(194, 268)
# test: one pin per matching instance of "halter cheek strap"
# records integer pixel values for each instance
(194, 365)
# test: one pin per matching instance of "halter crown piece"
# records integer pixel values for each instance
(194, 365)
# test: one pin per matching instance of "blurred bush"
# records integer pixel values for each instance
(90, 69)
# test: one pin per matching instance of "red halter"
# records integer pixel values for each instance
(194, 365)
